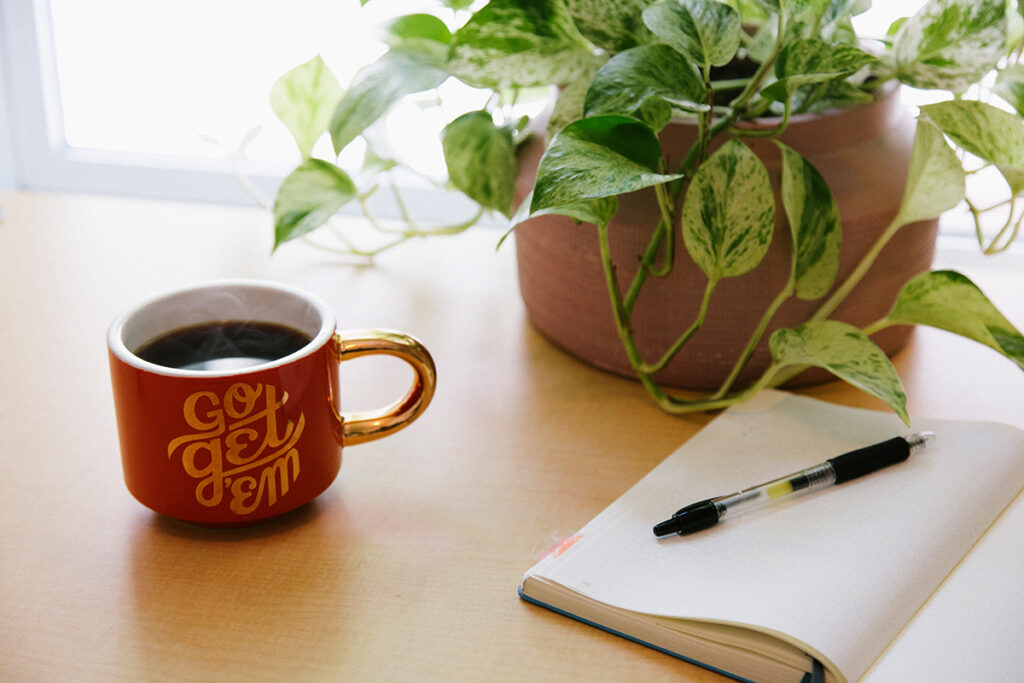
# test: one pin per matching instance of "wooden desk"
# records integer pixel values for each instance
(406, 569)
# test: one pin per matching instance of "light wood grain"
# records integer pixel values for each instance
(406, 569)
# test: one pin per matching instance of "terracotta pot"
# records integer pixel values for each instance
(863, 154)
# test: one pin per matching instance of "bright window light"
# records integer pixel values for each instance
(170, 76)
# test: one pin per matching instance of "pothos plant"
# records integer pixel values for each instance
(623, 70)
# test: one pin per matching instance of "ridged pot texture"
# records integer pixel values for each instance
(863, 154)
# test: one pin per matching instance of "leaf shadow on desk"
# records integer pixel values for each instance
(242, 601)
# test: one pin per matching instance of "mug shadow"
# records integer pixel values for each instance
(245, 601)
(298, 517)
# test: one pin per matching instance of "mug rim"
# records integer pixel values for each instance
(118, 347)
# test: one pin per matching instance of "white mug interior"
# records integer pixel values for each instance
(227, 301)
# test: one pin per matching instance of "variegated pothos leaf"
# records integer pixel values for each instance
(847, 353)
(598, 211)
(377, 87)
(1010, 85)
(598, 156)
(569, 101)
(517, 43)
(706, 31)
(310, 195)
(729, 212)
(304, 99)
(982, 129)
(613, 25)
(950, 301)
(935, 181)
(950, 44)
(985, 131)
(643, 82)
(814, 225)
(810, 61)
(481, 160)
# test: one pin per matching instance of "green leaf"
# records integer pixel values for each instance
(374, 163)
(481, 160)
(595, 211)
(642, 82)
(950, 44)
(304, 99)
(706, 31)
(836, 11)
(797, 7)
(569, 102)
(847, 353)
(728, 212)
(417, 27)
(813, 223)
(894, 27)
(520, 43)
(936, 179)
(380, 85)
(825, 19)
(599, 156)
(950, 301)
(810, 61)
(836, 95)
(613, 25)
(310, 195)
(1010, 85)
(983, 130)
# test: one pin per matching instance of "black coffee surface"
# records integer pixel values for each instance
(222, 346)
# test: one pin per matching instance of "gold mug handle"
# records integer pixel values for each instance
(362, 427)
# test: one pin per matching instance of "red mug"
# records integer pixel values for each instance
(240, 445)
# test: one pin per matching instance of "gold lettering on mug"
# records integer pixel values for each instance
(239, 446)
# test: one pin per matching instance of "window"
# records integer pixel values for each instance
(154, 98)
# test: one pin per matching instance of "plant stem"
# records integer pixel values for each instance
(775, 375)
(754, 85)
(669, 404)
(858, 273)
(1006, 235)
(618, 309)
(646, 265)
(876, 326)
(706, 116)
(770, 133)
(755, 338)
(651, 368)
(665, 205)
(663, 232)
(401, 236)
(730, 84)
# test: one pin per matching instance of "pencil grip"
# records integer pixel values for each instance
(866, 460)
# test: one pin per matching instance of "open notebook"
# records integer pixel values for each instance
(911, 573)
